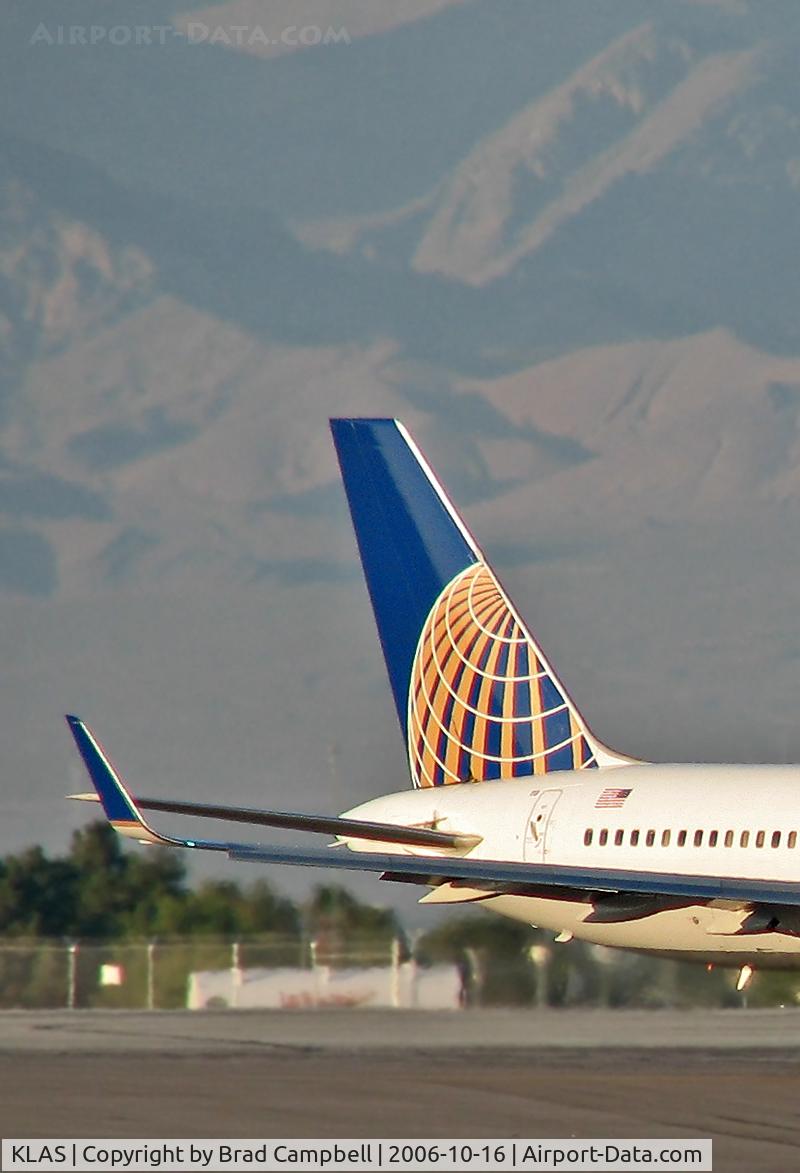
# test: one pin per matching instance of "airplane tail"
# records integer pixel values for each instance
(476, 698)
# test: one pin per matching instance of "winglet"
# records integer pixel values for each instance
(119, 806)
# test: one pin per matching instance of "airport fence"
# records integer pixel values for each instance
(340, 969)
(201, 972)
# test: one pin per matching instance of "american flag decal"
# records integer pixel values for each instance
(611, 797)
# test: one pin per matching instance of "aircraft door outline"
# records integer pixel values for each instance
(538, 824)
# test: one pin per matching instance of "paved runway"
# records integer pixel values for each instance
(732, 1075)
(236, 1032)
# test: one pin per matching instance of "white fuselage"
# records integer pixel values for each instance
(732, 821)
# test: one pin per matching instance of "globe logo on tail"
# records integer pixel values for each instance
(482, 702)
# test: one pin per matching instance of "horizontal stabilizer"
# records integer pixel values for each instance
(321, 824)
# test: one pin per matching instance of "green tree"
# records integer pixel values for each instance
(102, 894)
(215, 908)
(103, 891)
(155, 891)
(37, 895)
(492, 954)
(345, 930)
(264, 911)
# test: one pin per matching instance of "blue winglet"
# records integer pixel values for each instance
(119, 806)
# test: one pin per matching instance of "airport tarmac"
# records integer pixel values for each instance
(731, 1075)
(327, 1029)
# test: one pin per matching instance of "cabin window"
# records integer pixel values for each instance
(634, 838)
(651, 838)
(665, 836)
(760, 837)
(776, 839)
(712, 838)
(729, 838)
(698, 838)
(604, 837)
(681, 839)
(618, 837)
(745, 839)
(587, 837)
(792, 840)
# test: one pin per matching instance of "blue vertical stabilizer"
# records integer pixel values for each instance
(411, 541)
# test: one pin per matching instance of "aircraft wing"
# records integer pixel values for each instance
(492, 876)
